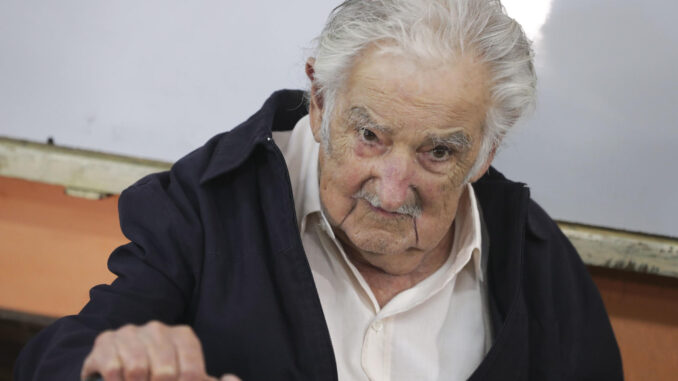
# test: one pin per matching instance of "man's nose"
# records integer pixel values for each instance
(395, 174)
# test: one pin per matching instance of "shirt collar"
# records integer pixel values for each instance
(471, 225)
(301, 155)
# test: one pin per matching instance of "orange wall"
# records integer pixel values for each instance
(643, 310)
(54, 247)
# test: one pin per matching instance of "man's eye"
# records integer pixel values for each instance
(367, 135)
(440, 153)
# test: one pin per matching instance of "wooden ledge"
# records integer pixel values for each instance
(83, 173)
(618, 249)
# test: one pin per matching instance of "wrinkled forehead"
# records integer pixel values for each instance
(403, 89)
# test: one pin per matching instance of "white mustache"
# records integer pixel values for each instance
(412, 208)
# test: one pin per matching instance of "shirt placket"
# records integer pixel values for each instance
(376, 349)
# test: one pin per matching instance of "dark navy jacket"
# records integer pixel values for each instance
(215, 244)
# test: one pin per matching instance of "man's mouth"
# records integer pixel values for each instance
(388, 214)
(384, 212)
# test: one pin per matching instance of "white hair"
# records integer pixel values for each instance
(431, 29)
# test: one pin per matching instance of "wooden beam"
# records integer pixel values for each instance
(618, 249)
(83, 173)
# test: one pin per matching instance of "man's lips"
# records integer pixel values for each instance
(383, 212)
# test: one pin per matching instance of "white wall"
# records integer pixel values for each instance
(151, 78)
(601, 146)
(157, 78)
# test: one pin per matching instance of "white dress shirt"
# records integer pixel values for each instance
(436, 330)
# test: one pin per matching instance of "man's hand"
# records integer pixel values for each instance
(153, 351)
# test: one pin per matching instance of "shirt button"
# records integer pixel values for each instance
(377, 325)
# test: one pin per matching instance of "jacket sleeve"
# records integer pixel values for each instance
(156, 273)
(567, 315)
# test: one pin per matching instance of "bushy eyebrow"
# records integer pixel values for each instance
(360, 117)
(458, 140)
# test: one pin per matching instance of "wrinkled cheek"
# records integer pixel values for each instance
(455, 180)
(438, 196)
(341, 150)
(448, 208)
(440, 207)
(337, 188)
(361, 150)
(432, 228)
(347, 176)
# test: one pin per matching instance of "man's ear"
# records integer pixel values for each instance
(486, 165)
(315, 107)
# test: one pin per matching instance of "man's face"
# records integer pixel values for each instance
(403, 136)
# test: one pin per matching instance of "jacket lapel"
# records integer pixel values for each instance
(504, 208)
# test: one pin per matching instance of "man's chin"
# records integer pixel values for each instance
(387, 253)
(383, 246)
(392, 264)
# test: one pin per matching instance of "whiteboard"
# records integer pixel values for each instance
(156, 79)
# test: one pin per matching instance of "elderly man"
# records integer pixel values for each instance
(367, 240)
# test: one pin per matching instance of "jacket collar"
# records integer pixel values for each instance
(504, 206)
(280, 112)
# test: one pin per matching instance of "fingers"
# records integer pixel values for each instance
(103, 359)
(153, 352)
(161, 353)
(132, 354)
(189, 354)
